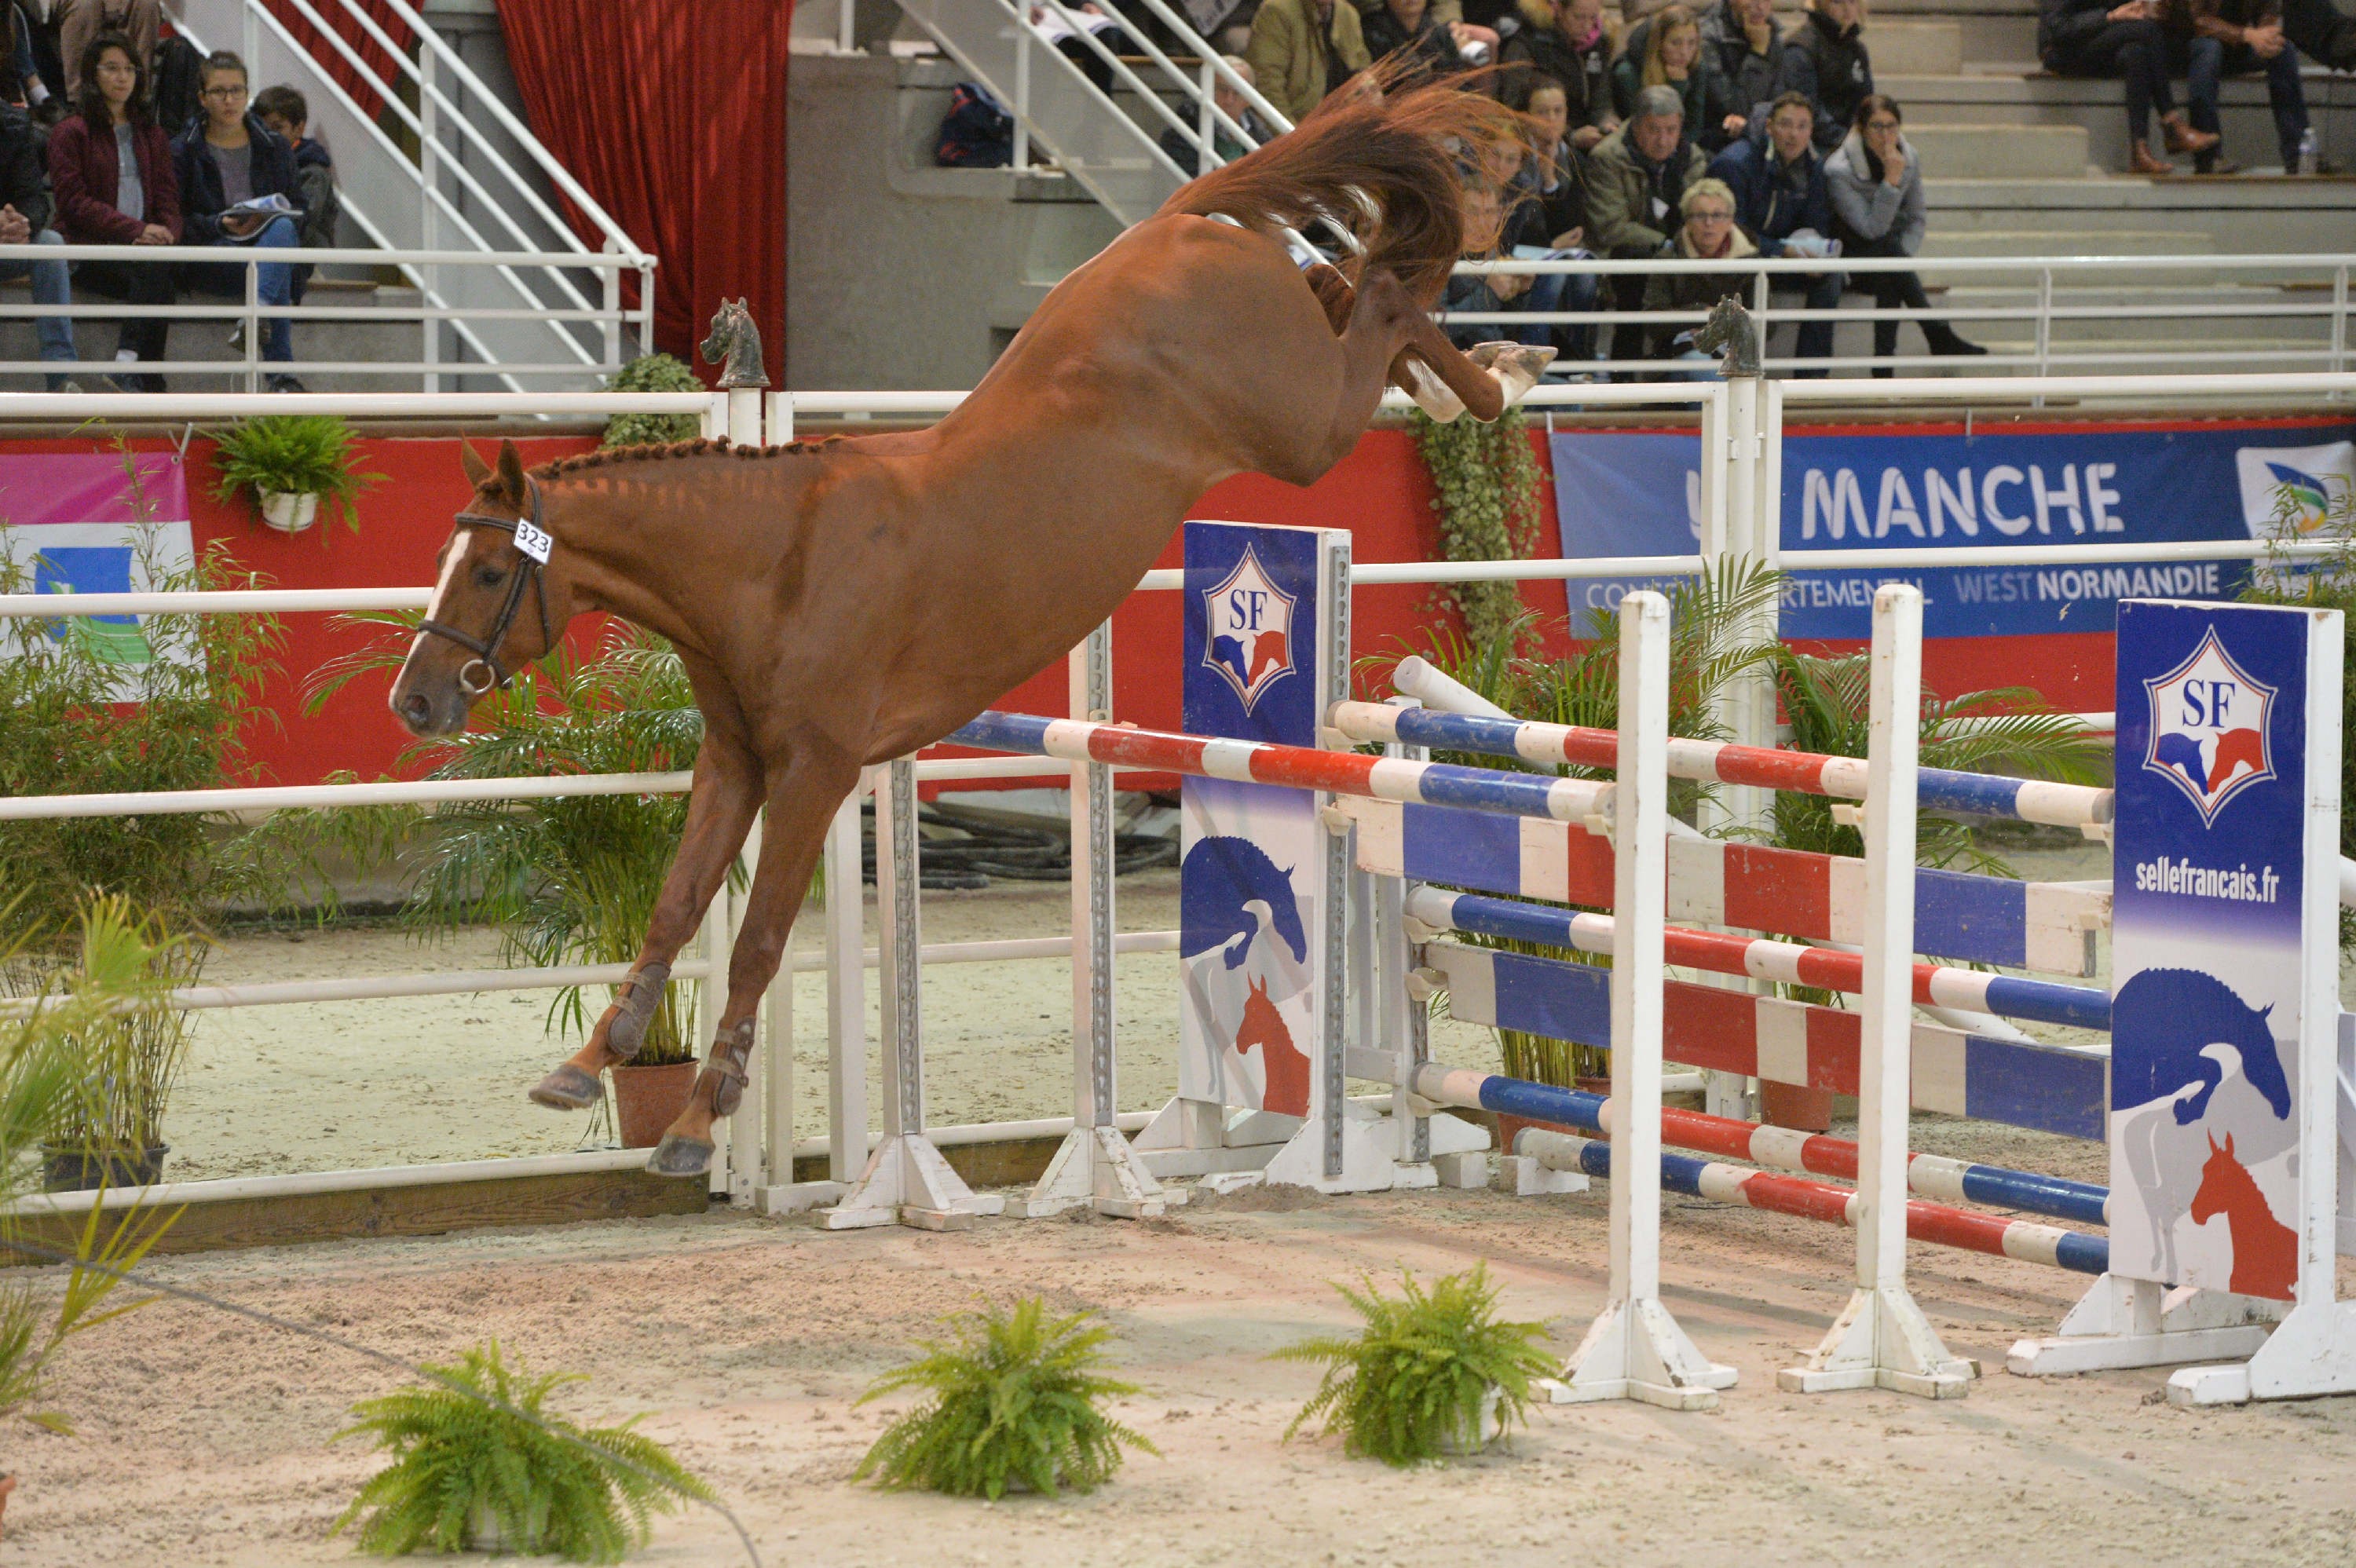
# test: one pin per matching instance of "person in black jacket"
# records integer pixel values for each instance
(1824, 59)
(224, 159)
(288, 116)
(1408, 25)
(25, 219)
(2102, 38)
(1780, 201)
(1574, 46)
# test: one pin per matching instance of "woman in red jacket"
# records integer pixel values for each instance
(111, 170)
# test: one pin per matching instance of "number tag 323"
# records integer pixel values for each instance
(534, 542)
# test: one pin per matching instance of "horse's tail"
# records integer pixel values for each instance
(1383, 169)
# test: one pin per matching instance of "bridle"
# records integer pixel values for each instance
(485, 649)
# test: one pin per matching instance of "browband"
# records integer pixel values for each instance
(485, 649)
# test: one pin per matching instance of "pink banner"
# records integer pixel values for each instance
(92, 487)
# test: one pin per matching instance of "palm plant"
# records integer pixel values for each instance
(479, 1462)
(1426, 1374)
(1013, 1404)
(570, 879)
(2327, 582)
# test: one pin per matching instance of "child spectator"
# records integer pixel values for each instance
(1302, 50)
(111, 168)
(1780, 201)
(1876, 182)
(2217, 38)
(288, 117)
(1665, 51)
(227, 158)
(1569, 42)
(1825, 62)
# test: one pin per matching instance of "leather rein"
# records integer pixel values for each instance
(486, 648)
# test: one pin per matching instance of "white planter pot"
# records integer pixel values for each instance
(289, 511)
(1491, 1428)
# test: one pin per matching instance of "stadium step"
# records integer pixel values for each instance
(2241, 216)
(1991, 29)
(1995, 150)
(318, 342)
(2028, 97)
(1906, 49)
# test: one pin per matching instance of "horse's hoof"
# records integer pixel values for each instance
(567, 1089)
(675, 1156)
(1516, 366)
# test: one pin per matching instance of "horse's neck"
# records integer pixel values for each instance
(639, 560)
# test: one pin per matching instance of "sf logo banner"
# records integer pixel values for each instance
(1247, 630)
(2209, 727)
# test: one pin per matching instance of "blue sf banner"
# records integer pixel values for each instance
(1641, 495)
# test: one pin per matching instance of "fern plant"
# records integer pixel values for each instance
(302, 454)
(1417, 1381)
(479, 1461)
(651, 373)
(1013, 1406)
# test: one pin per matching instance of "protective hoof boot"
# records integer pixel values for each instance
(675, 1156)
(567, 1089)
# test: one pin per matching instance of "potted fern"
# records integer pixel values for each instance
(290, 464)
(1433, 1373)
(480, 1464)
(651, 373)
(1013, 1407)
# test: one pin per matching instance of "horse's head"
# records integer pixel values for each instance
(1262, 1025)
(498, 602)
(2221, 1179)
(731, 318)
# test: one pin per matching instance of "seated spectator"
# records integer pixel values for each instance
(1636, 178)
(288, 116)
(1429, 46)
(1825, 61)
(24, 220)
(1302, 50)
(1665, 51)
(2213, 39)
(137, 22)
(1748, 48)
(1187, 155)
(1707, 234)
(1106, 30)
(1875, 184)
(227, 158)
(2106, 38)
(1543, 217)
(1484, 227)
(1777, 180)
(1567, 41)
(111, 170)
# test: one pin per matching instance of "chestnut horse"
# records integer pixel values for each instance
(844, 603)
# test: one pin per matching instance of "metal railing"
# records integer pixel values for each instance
(615, 329)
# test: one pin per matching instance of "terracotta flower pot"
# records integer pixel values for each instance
(78, 1170)
(648, 1099)
(289, 511)
(7, 1484)
(1792, 1106)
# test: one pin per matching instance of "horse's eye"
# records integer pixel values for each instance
(489, 576)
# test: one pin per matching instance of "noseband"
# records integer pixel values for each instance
(527, 535)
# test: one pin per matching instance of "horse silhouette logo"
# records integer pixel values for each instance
(1229, 892)
(2209, 728)
(1285, 1069)
(1248, 629)
(2266, 1251)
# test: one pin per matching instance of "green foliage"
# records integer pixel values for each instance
(304, 454)
(126, 1057)
(652, 373)
(2324, 584)
(1491, 493)
(42, 1078)
(1013, 1406)
(572, 879)
(1410, 1385)
(479, 1452)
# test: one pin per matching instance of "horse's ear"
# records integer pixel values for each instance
(512, 472)
(478, 471)
(2212, 1140)
(2229, 1146)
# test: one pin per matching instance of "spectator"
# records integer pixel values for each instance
(110, 167)
(1483, 230)
(227, 158)
(2103, 38)
(2217, 38)
(288, 116)
(1825, 61)
(136, 22)
(1742, 39)
(1777, 181)
(2322, 30)
(1665, 51)
(1876, 183)
(1636, 180)
(1187, 155)
(1568, 42)
(1430, 45)
(1302, 50)
(1707, 234)
(1552, 211)
(1106, 30)
(24, 219)
(24, 87)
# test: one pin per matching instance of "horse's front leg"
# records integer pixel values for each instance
(804, 795)
(720, 807)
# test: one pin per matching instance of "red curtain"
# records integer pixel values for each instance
(339, 70)
(671, 114)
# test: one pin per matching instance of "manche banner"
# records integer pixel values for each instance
(1639, 494)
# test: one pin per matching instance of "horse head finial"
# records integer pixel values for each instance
(1732, 329)
(736, 340)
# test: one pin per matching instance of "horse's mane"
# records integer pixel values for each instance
(651, 451)
(1386, 170)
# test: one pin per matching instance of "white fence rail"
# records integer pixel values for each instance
(1741, 511)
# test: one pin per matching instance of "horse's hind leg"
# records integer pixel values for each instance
(1514, 367)
(803, 796)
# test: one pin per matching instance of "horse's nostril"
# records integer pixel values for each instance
(416, 709)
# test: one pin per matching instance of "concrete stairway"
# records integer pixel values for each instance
(194, 338)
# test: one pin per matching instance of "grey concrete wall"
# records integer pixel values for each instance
(901, 275)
